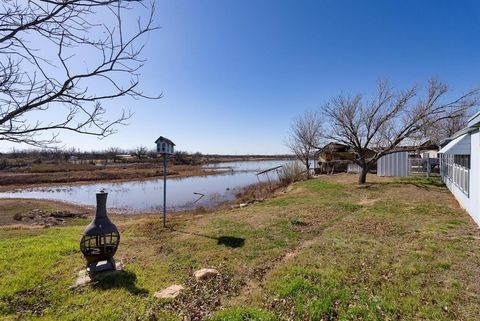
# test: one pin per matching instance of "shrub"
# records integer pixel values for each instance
(257, 191)
(290, 173)
(3, 164)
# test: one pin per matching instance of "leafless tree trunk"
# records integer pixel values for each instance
(375, 127)
(64, 57)
(140, 152)
(305, 137)
(112, 153)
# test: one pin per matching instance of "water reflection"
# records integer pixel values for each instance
(147, 195)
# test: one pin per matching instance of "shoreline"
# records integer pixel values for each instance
(11, 206)
(244, 194)
(14, 188)
(13, 181)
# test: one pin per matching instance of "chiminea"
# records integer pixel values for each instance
(100, 239)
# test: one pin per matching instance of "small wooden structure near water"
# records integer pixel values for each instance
(336, 158)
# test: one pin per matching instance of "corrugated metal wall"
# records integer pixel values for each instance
(353, 168)
(395, 164)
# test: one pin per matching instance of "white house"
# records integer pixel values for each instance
(460, 166)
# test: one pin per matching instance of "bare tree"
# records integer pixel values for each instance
(112, 153)
(448, 127)
(375, 127)
(65, 57)
(305, 136)
(140, 152)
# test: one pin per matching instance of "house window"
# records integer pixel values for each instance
(462, 160)
(457, 169)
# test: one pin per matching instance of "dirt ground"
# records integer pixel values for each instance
(11, 207)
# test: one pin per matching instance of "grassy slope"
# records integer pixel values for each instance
(326, 250)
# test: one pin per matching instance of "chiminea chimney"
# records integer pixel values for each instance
(100, 239)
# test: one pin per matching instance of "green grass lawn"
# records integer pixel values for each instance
(324, 250)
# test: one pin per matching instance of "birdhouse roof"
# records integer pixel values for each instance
(162, 139)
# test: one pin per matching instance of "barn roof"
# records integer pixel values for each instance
(411, 144)
(162, 139)
(335, 147)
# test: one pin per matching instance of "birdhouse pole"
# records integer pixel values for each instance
(165, 147)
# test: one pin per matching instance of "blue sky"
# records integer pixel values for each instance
(235, 73)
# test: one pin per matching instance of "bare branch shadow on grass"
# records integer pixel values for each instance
(119, 279)
(423, 183)
(377, 185)
(228, 241)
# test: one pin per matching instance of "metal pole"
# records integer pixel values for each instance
(164, 190)
(428, 166)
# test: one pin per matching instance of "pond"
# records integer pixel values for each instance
(147, 195)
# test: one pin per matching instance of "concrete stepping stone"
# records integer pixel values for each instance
(169, 293)
(204, 274)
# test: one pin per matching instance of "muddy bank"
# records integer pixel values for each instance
(48, 213)
(23, 211)
(51, 173)
(13, 180)
(46, 218)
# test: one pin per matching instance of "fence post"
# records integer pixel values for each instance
(428, 165)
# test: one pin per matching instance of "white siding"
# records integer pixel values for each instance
(163, 147)
(470, 202)
(395, 164)
(474, 208)
(459, 146)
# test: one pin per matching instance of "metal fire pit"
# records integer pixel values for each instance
(100, 239)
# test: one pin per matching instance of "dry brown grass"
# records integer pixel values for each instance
(52, 175)
(259, 191)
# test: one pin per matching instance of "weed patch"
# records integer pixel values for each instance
(434, 180)
(350, 207)
(243, 314)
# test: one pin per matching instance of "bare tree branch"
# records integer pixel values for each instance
(43, 48)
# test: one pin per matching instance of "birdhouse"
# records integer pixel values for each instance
(164, 145)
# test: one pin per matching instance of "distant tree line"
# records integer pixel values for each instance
(23, 157)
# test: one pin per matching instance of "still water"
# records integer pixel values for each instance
(147, 195)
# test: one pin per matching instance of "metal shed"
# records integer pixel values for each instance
(394, 164)
(353, 168)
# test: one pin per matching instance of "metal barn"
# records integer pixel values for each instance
(394, 164)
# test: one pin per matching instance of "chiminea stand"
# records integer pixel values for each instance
(100, 239)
